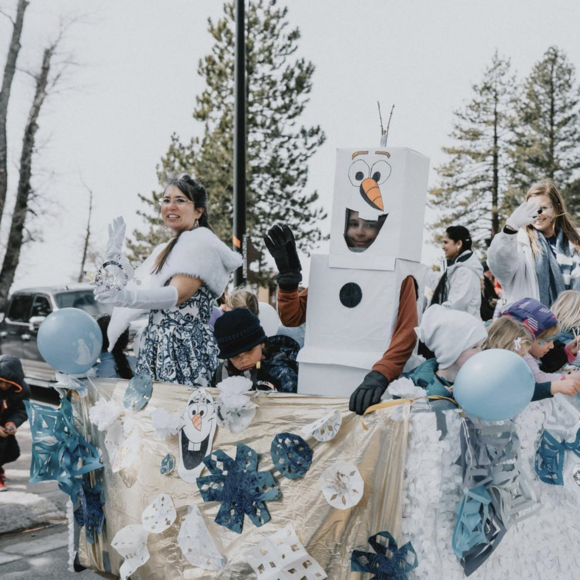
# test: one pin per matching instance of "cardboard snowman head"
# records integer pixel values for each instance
(378, 207)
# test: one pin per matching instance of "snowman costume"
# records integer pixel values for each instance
(363, 302)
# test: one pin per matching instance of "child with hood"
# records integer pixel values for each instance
(13, 392)
(454, 337)
(270, 363)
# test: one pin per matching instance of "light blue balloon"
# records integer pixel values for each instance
(70, 341)
(494, 385)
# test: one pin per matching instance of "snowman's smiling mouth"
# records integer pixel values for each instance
(192, 452)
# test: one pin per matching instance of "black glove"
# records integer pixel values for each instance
(281, 244)
(289, 280)
(368, 393)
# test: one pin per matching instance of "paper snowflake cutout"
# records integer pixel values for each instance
(342, 485)
(89, 513)
(59, 453)
(167, 464)
(159, 515)
(325, 428)
(197, 544)
(388, 561)
(138, 393)
(281, 556)
(131, 543)
(239, 486)
(550, 457)
(291, 455)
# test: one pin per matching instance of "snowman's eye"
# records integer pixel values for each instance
(358, 171)
(194, 413)
(201, 413)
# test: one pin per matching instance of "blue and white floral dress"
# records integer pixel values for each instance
(178, 344)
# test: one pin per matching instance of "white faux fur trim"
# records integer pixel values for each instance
(201, 254)
(198, 253)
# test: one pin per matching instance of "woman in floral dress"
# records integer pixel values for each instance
(177, 284)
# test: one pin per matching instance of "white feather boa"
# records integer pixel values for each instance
(198, 253)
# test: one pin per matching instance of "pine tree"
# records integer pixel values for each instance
(279, 147)
(473, 182)
(546, 136)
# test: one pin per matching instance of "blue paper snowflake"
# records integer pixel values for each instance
(550, 457)
(167, 464)
(89, 513)
(239, 486)
(291, 455)
(59, 453)
(383, 566)
(138, 392)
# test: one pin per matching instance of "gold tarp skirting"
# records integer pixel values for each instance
(329, 534)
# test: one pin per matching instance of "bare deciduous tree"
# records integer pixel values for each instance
(9, 71)
(87, 235)
(16, 235)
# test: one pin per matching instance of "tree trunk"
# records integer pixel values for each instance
(552, 130)
(495, 178)
(16, 235)
(9, 70)
(87, 238)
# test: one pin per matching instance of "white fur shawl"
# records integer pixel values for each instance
(198, 253)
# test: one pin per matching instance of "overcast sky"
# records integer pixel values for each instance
(136, 82)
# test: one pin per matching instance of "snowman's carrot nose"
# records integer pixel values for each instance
(371, 192)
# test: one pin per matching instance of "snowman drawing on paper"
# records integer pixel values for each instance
(196, 436)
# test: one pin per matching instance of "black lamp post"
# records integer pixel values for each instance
(239, 237)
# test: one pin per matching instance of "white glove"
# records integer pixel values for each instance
(523, 215)
(117, 229)
(151, 299)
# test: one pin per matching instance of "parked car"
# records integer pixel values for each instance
(26, 311)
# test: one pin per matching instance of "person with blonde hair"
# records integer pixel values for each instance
(537, 255)
(507, 333)
(565, 351)
(243, 298)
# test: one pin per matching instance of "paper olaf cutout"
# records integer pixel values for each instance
(196, 437)
(353, 293)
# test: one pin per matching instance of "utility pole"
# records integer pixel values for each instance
(239, 238)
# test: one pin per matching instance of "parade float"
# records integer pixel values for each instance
(171, 482)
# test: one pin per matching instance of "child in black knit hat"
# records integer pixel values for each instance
(270, 363)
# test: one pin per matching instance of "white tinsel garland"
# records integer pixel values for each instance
(538, 548)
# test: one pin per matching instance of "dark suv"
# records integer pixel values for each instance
(26, 311)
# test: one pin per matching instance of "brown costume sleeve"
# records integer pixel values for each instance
(292, 307)
(404, 337)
